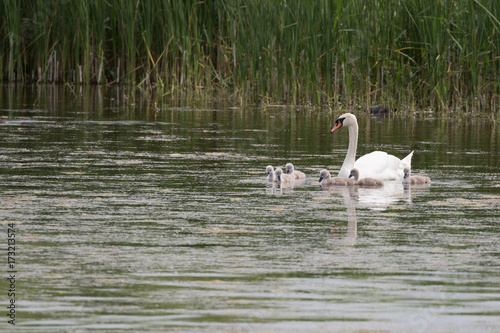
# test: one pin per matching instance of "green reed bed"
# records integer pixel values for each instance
(443, 55)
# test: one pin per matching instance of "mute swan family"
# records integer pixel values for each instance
(377, 164)
(368, 170)
(325, 179)
(278, 176)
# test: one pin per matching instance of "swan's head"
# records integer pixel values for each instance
(278, 172)
(269, 170)
(324, 174)
(406, 173)
(354, 174)
(347, 119)
(289, 168)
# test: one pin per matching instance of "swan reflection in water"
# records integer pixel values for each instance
(337, 248)
(320, 255)
(358, 197)
(377, 199)
(349, 197)
(280, 188)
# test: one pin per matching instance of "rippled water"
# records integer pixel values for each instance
(162, 220)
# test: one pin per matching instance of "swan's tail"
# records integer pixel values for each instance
(406, 162)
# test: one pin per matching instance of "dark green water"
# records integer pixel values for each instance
(136, 219)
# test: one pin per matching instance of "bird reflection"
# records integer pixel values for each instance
(349, 195)
(378, 199)
(338, 247)
(415, 189)
(280, 188)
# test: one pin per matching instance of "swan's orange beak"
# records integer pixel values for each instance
(338, 124)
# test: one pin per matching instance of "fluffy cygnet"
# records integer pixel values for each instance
(412, 180)
(290, 170)
(283, 177)
(325, 178)
(270, 174)
(365, 181)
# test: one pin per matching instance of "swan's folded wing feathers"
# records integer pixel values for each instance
(375, 161)
(379, 165)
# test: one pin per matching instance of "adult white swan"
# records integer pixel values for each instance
(377, 164)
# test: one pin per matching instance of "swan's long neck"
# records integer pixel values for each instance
(351, 152)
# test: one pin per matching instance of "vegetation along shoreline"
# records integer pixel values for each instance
(421, 54)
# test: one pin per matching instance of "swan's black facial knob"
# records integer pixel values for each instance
(338, 124)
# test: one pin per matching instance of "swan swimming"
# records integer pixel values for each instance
(283, 177)
(365, 181)
(270, 174)
(377, 164)
(325, 178)
(290, 170)
(413, 180)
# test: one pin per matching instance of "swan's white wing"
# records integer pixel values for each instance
(378, 165)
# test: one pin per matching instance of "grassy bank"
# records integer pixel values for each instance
(443, 55)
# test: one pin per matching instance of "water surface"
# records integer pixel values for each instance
(133, 218)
